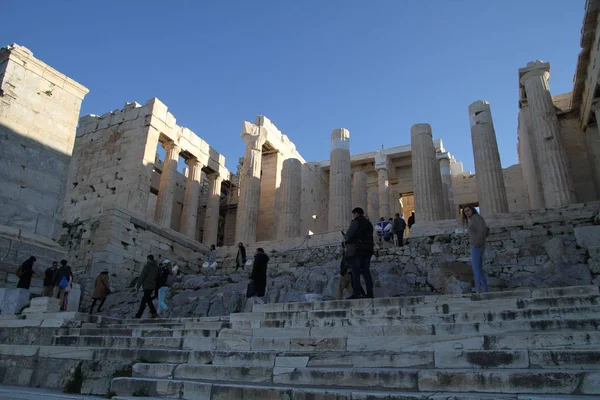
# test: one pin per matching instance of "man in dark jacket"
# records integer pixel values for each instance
(411, 220)
(359, 242)
(240, 258)
(49, 278)
(398, 227)
(25, 273)
(259, 272)
(148, 282)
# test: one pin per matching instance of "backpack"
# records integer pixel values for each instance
(19, 271)
(163, 276)
(63, 282)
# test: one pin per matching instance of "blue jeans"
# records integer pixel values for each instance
(162, 295)
(477, 264)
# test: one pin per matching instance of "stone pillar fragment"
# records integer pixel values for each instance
(488, 168)
(291, 194)
(247, 212)
(166, 188)
(359, 190)
(340, 175)
(554, 168)
(427, 180)
(191, 198)
(447, 193)
(373, 212)
(211, 220)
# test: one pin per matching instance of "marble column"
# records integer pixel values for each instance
(528, 160)
(191, 198)
(290, 199)
(383, 184)
(213, 203)
(166, 188)
(447, 193)
(247, 211)
(359, 191)
(373, 212)
(488, 169)
(427, 180)
(554, 166)
(340, 175)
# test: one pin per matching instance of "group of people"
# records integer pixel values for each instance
(58, 281)
(394, 227)
(155, 281)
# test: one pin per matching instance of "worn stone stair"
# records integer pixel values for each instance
(518, 345)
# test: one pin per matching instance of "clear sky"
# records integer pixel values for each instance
(375, 67)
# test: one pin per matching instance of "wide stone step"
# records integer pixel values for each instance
(438, 312)
(590, 290)
(173, 325)
(118, 341)
(509, 381)
(141, 332)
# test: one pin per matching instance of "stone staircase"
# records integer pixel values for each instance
(522, 344)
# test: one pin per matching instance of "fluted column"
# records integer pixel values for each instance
(166, 188)
(290, 199)
(340, 175)
(554, 167)
(191, 197)
(427, 180)
(488, 168)
(447, 193)
(373, 212)
(528, 160)
(211, 219)
(247, 211)
(359, 190)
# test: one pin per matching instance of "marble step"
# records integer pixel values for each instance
(421, 311)
(172, 325)
(509, 381)
(589, 290)
(138, 332)
(385, 317)
(119, 342)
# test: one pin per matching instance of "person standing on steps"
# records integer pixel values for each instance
(148, 282)
(478, 232)
(411, 220)
(62, 278)
(48, 277)
(25, 273)
(360, 248)
(398, 226)
(258, 277)
(101, 290)
(164, 281)
(240, 258)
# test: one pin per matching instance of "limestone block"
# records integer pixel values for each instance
(43, 305)
(588, 236)
(13, 301)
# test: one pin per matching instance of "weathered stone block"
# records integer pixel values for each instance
(13, 301)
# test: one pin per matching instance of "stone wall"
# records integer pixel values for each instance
(39, 108)
(119, 241)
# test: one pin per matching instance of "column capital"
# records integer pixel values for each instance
(215, 176)
(533, 69)
(381, 161)
(253, 135)
(170, 145)
(193, 162)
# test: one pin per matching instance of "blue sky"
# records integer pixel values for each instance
(375, 67)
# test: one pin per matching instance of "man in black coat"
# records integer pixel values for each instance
(259, 272)
(240, 258)
(398, 226)
(360, 248)
(25, 273)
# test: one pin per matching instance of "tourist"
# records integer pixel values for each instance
(25, 273)
(398, 226)
(62, 278)
(258, 277)
(64, 304)
(101, 290)
(164, 281)
(478, 232)
(382, 233)
(359, 247)
(48, 279)
(240, 258)
(148, 282)
(345, 274)
(411, 220)
(212, 256)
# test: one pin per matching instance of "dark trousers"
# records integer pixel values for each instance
(361, 265)
(99, 306)
(400, 237)
(239, 266)
(147, 299)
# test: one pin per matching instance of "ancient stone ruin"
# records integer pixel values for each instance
(104, 191)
